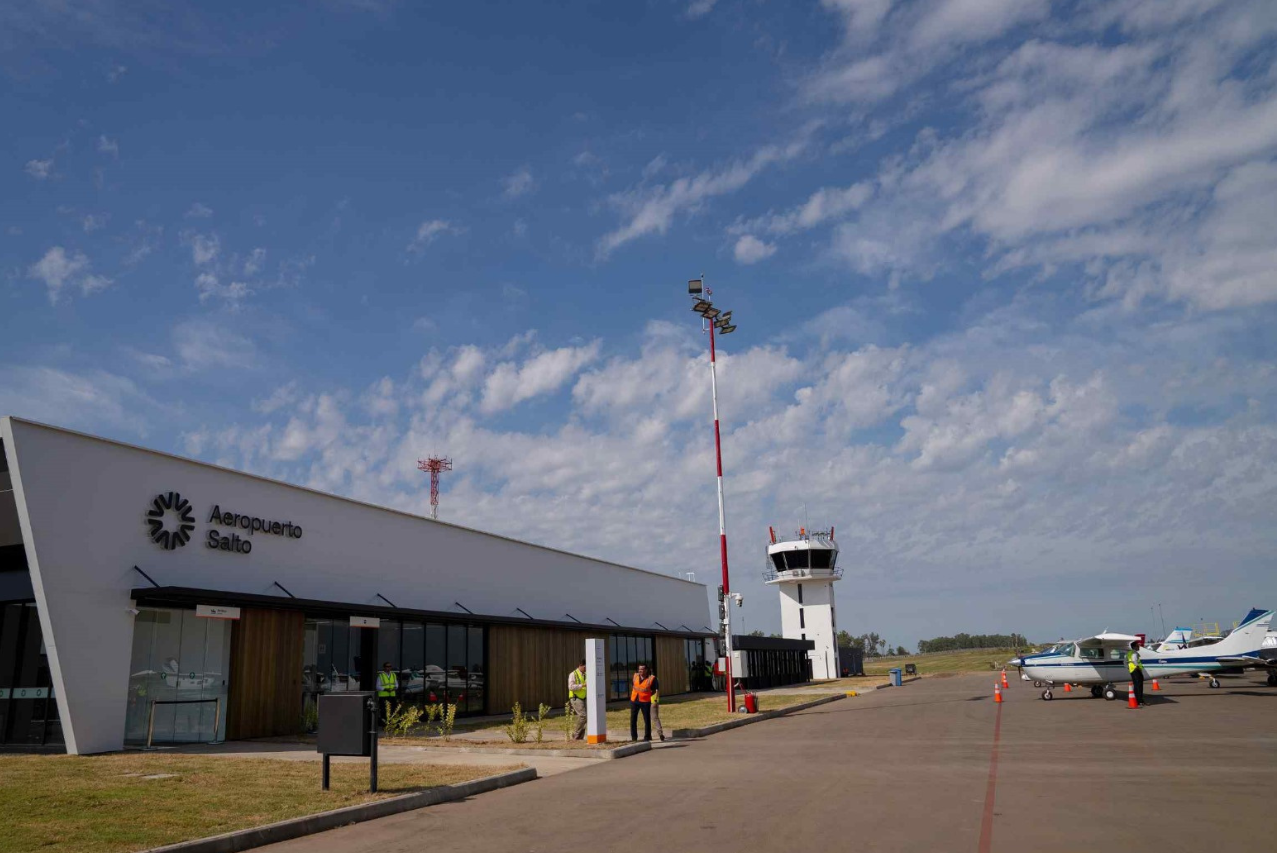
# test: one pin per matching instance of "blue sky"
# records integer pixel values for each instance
(1003, 271)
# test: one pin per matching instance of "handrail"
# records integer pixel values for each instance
(150, 723)
(801, 574)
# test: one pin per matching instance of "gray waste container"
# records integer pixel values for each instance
(896, 681)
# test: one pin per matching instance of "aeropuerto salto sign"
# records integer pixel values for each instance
(252, 523)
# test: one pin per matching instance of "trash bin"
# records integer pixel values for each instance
(751, 703)
(896, 680)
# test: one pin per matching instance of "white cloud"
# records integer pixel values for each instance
(700, 8)
(750, 250)
(651, 210)
(58, 268)
(204, 247)
(519, 183)
(39, 169)
(205, 345)
(109, 146)
(116, 72)
(95, 400)
(94, 222)
(210, 287)
(199, 211)
(255, 261)
(510, 383)
(429, 231)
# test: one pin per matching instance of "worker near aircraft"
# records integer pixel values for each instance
(642, 689)
(1136, 667)
(576, 699)
(387, 689)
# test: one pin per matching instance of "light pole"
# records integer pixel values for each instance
(712, 319)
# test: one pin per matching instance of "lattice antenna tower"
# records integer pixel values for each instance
(434, 466)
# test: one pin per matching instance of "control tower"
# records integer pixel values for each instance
(804, 569)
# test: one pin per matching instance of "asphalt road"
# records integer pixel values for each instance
(902, 769)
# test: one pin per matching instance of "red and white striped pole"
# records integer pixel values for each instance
(722, 528)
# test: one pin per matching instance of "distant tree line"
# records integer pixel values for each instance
(873, 645)
(971, 641)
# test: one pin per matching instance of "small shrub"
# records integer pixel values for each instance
(517, 729)
(543, 711)
(569, 721)
(440, 719)
(401, 720)
(446, 723)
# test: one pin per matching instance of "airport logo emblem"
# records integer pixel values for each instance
(170, 521)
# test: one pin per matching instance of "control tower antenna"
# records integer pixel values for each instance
(435, 465)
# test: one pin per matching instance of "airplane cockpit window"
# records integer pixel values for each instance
(1117, 654)
(1091, 653)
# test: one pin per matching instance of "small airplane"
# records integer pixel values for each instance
(1100, 661)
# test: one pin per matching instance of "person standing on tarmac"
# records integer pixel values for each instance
(656, 707)
(576, 699)
(641, 702)
(1136, 667)
(387, 689)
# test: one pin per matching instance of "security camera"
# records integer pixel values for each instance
(132, 611)
(740, 599)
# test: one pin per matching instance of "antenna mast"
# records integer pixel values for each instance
(434, 466)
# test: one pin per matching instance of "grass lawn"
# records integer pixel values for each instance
(105, 803)
(967, 660)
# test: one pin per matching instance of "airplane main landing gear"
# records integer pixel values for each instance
(1110, 692)
(1096, 691)
(1046, 695)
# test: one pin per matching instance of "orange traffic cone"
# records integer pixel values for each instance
(1004, 679)
(1155, 687)
(1130, 696)
(997, 693)
(1067, 688)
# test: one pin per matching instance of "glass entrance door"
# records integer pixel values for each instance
(178, 656)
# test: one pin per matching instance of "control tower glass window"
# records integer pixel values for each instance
(778, 560)
(820, 558)
(797, 559)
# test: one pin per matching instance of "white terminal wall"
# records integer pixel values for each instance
(817, 622)
(82, 503)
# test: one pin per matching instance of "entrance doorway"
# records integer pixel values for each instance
(28, 709)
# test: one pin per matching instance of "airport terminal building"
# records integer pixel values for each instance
(143, 591)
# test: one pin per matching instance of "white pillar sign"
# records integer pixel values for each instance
(596, 683)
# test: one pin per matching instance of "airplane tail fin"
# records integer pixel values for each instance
(1176, 639)
(1246, 637)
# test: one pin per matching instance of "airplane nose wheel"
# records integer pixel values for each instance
(1110, 692)
(1214, 683)
(1097, 692)
(1046, 696)
(1037, 684)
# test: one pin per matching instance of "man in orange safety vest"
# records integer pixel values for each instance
(641, 692)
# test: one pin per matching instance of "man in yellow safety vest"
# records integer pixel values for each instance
(387, 689)
(576, 698)
(1136, 668)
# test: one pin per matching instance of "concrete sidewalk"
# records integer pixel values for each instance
(935, 766)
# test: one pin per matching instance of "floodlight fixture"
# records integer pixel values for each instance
(702, 306)
(727, 330)
(710, 313)
(695, 287)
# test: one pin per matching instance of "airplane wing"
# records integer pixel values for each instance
(1246, 660)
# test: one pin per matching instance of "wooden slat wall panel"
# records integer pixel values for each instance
(531, 666)
(266, 665)
(671, 665)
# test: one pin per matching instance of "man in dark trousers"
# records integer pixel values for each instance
(641, 690)
(1136, 668)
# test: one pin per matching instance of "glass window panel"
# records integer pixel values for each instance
(388, 645)
(796, 559)
(140, 676)
(616, 665)
(164, 666)
(475, 688)
(457, 672)
(339, 658)
(217, 670)
(357, 664)
(413, 662)
(821, 558)
(188, 681)
(778, 560)
(435, 672)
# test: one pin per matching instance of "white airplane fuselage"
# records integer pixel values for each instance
(1072, 666)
